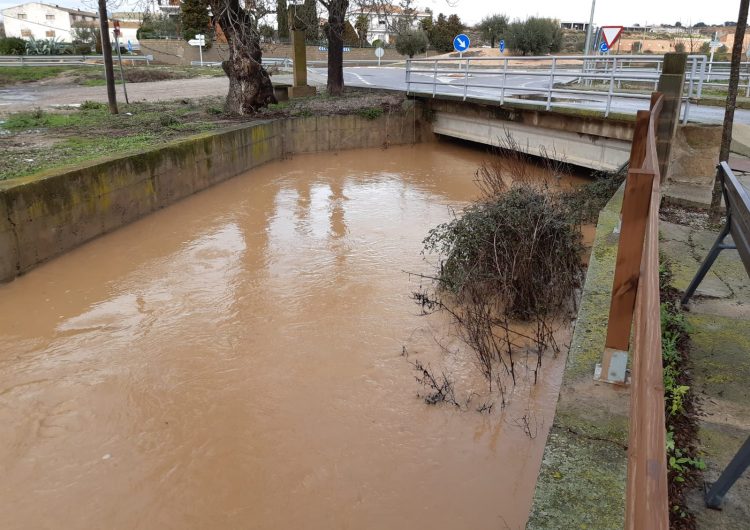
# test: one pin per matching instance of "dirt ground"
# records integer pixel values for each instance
(26, 97)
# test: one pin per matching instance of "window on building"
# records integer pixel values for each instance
(50, 17)
(25, 33)
(381, 22)
(21, 16)
(49, 33)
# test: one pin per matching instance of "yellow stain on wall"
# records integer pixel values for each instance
(260, 145)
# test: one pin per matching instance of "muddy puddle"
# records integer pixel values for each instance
(234, 361)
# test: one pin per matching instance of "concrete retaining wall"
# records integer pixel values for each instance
(48, 214)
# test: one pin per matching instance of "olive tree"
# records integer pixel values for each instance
(534, 36)
(411, 42)
(250, 85)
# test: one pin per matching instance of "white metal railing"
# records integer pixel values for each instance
(593, 81)
(65, 60)
(717, 75)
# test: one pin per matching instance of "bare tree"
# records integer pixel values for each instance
(337, 10)
(734, 80)
(250, 85)
(109, 71)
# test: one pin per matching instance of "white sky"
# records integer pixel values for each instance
(608, 12)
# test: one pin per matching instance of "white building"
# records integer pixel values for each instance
(44, 21)
(383, 21)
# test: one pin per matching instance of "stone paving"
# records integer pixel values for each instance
(719, 319)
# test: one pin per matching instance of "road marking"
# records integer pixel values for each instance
(360, 78)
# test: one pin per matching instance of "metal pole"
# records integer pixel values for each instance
(466, 79)
(505, 75)
(434, 79)
(587, 45)
(551, 83)
(611, 86)
(200, 53)
(122, 73)
(734, 470)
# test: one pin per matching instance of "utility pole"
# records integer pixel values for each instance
(109, 70)
(587, 46)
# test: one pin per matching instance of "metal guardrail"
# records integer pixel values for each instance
(543, 80)
(718, 71)
(66, 60)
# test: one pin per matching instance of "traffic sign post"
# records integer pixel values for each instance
(502, 45)
(200, 41)
(116, 32)
(379, 52)
(610, 34)
(461, 43)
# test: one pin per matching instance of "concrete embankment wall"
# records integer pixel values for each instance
(48, 214)
(581, 483)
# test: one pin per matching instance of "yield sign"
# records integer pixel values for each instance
(611, 34)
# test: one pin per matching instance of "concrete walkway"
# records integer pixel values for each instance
(719, 319)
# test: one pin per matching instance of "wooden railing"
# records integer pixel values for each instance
(635, 299)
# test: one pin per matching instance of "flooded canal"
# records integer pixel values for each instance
(234, 361)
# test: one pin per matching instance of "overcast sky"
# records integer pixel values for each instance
(608, 12)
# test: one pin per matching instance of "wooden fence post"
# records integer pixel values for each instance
(635, 206)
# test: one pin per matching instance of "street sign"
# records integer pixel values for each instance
(502, 45)
(200, 41)
(611, 34)
(322, 49)
(603, 47)
(714, 44)
(379, 52)
(461, 43)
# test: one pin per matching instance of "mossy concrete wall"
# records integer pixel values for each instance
(45, 215)
(581, 483)
(695, 151)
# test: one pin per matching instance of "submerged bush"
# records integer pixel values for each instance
(518, 247)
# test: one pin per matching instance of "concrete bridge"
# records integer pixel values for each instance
(568, 135)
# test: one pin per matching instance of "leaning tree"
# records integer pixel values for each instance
(250, 85)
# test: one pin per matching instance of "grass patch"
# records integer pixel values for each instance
(372, 113)
(10, 75)
(683, 461)
(40, 140)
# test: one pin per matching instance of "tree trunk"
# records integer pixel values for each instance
(109, 71)
(336, 20)
(726, 137)
(250, 85)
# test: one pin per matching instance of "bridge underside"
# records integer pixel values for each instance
(588, 141)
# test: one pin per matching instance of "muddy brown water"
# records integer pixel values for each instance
(234, 361)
